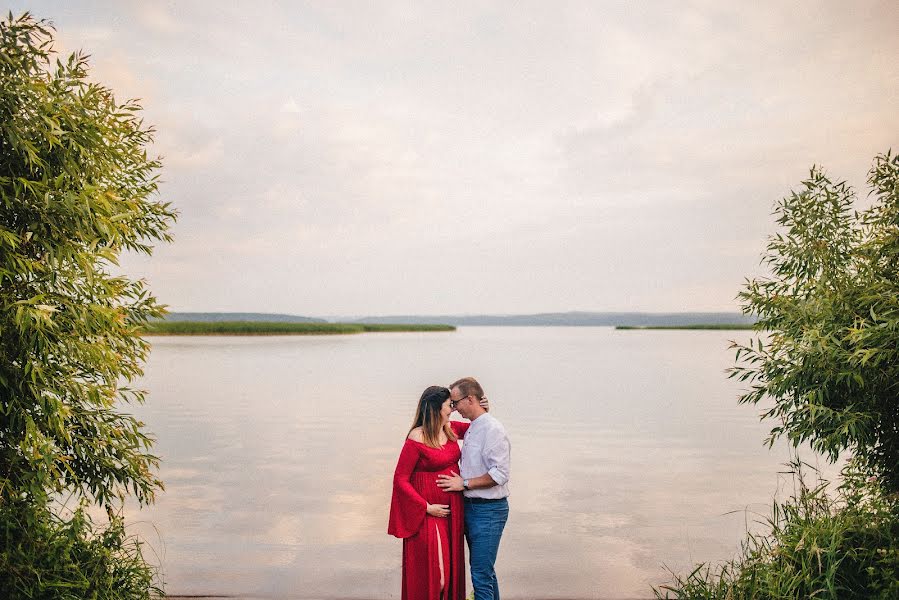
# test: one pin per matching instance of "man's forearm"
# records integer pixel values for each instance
(481, 482)
(455, 483)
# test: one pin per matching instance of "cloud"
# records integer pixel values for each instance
(159, 18)
(558, 156)
(291, 106)
(192, 156)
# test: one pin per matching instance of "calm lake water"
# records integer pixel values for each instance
(629, 453)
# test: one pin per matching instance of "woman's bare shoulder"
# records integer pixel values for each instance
(415, 435)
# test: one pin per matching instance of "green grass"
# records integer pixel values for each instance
(718, 326)
(268, 328)
(44, 556)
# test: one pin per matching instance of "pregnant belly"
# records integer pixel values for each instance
(425, 483)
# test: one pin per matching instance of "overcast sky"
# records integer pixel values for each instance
(350, 158)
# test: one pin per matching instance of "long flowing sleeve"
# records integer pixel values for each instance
(407, 507)
(459, 427)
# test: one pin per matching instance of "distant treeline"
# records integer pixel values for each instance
(574, 319)
(282, 328)
(565, 319)
(721, 326)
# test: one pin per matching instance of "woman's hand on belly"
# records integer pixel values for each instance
(438, 510)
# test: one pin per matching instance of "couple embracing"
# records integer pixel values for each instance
(436, 497)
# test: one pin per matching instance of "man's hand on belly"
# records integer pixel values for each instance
(450, 483)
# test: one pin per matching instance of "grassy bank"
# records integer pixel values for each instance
(831, 544)
(268, 328)
(718, 326)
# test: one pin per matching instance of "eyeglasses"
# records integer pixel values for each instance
(454, 403)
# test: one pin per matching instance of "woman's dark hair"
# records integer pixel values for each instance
(427, 416)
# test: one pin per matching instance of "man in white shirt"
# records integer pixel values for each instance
(483, 479)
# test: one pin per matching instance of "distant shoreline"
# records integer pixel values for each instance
(712, 326)
(259, 328)
(562, 319)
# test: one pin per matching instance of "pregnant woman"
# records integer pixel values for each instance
(429, 520)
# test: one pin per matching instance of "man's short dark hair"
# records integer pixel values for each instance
(469, 386)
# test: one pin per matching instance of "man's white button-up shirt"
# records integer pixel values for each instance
(486, 449)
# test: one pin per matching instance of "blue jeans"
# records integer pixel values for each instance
(484, 523)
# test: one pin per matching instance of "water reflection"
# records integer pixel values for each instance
(628, 450)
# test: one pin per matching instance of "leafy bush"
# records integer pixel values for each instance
(45, 557)
(830, 360)
(820, 545)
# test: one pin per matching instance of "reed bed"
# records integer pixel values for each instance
(275, 328)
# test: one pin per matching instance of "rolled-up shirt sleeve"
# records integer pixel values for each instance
(498, 457)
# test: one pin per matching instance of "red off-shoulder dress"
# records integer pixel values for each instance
(427, 539)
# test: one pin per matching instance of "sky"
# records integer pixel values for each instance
(377, 158)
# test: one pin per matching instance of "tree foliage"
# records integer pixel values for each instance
(77, 188)
(829, 357)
